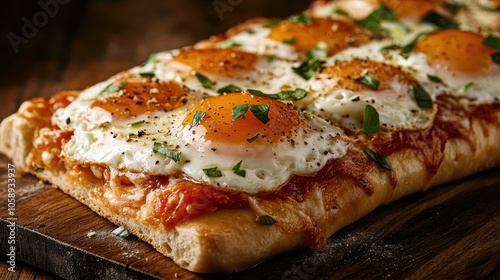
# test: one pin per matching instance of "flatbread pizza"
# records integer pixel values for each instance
(274, 135)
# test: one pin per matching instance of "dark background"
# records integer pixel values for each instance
(83, 42)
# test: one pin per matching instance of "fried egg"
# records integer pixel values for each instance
(340, 95)
(463, 63)
(220, 68)
(266, 138)
(237, 141)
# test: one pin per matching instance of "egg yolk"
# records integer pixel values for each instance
(346, 74)
(457, 50)
(136, 98)
(221, 62)
(411, 9)
(223, 126)
(337, 34)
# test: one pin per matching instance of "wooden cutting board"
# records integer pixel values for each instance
(448, 232)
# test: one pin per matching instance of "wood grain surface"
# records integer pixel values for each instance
(452, 232)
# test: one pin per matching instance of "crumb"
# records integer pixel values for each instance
(176, 275)
(91, 234)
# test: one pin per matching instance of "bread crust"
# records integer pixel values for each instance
(227, 241)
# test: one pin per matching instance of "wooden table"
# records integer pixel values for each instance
(449, 232)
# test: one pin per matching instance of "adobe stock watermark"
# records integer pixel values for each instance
(301, 272)
(11, 218)
(223, 6)
(48, 9)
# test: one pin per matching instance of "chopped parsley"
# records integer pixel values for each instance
(468, 86)
(290, 41)
(147, 75)
(296, 94)
(121, 231)
(198, 116)
(374, 20)
(253, 138)
(228, 44)
(38, 168)
(229, 88)
(369, 81)
(137, 123)
(204, 81)
(238, 171)
(305, 19)
(492, 42)
(269, 57)
(440, 21)
(212, 172)
(260, 111)
(267, 220)
(435, 79)
(411, 45)
(313, 61)
(272, 23)
(371, 120)
(496, 57)
(166, 151)
(152, 58)
(422, 97)
(239, 111)
(113, 87)
(381, 160)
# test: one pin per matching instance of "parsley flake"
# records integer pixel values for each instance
(371, 120)
(253, 138)
(381, 160)
(166, 151)
(290, 41)
(261, 112)
(369, 81)
(38, 168)
(267, 220)
(121, 232)
(205, 82)
(296, 94)
(272, 23)
(269, 57)
(492, 42)
(147, 75)
(152, 58)
(374, 20)
(440, 21)
(239, 111)
(212, 172)
(113, 88)
(435, 79)
(305, 19)
(238, 171)
(198, 116)
(137, 123)
(496, 57)
(228, 44)
(229, 88)
(422, 97)
(313, 61)
(411, 45)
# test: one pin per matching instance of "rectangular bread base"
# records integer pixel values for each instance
(439, 233)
